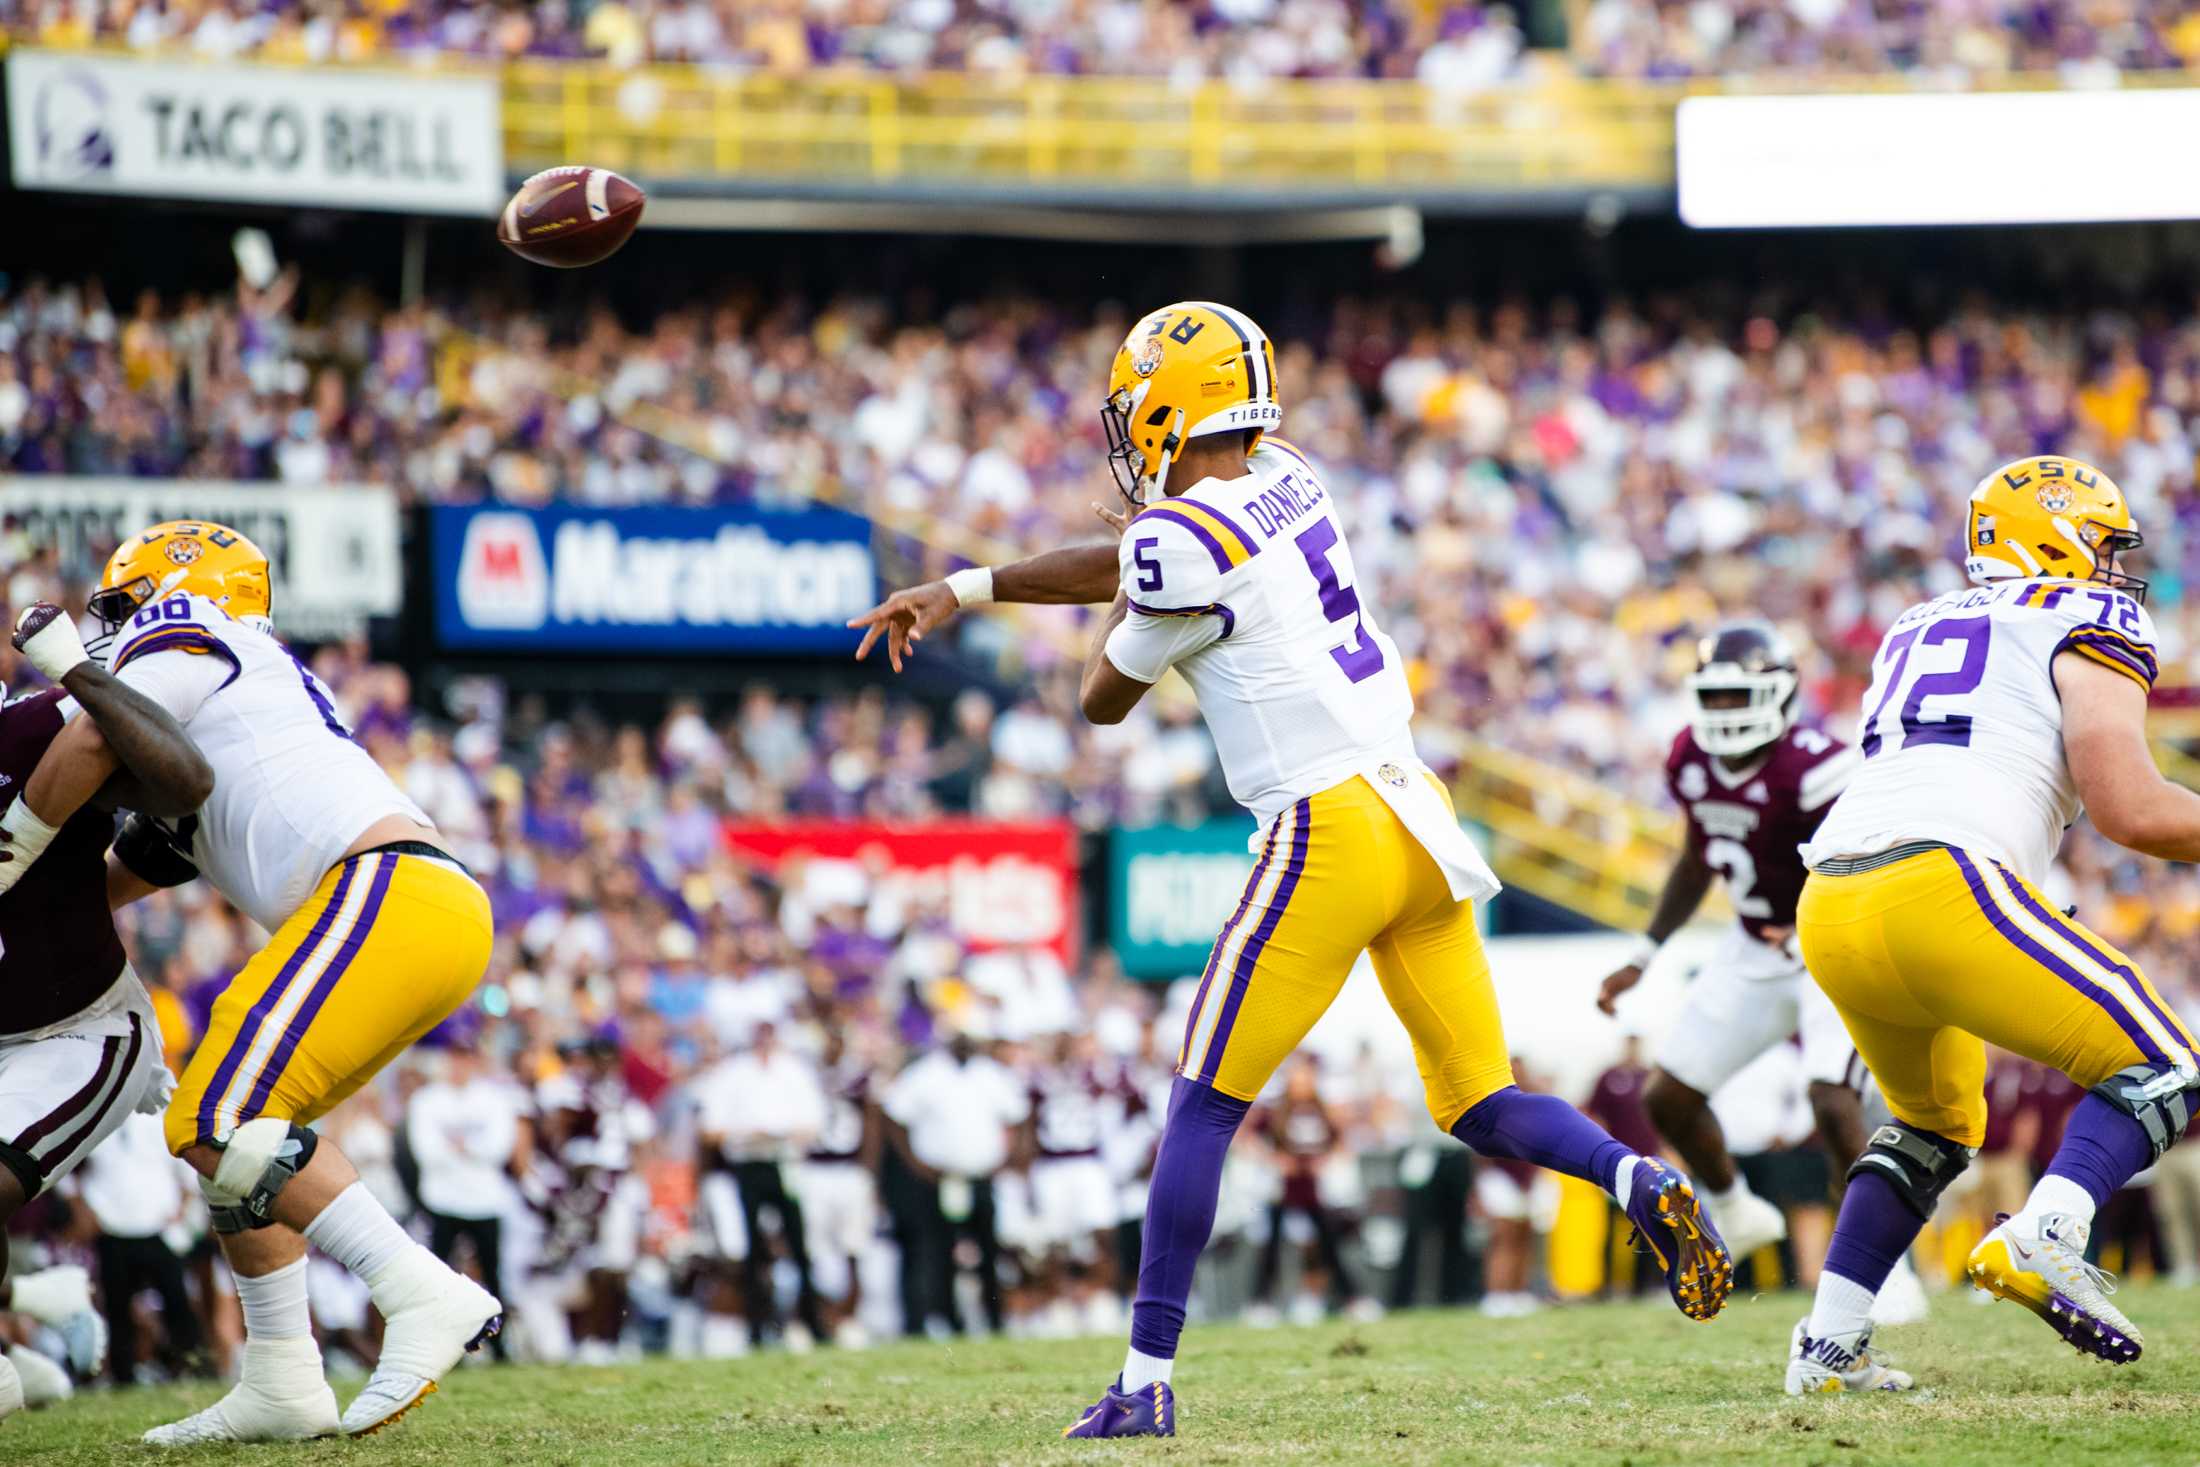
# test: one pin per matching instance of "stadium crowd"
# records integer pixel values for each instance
(1460, 45)
(1551, 500)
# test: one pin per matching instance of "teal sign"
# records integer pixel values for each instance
(1170, 889)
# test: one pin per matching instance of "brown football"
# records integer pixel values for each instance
(571, 216)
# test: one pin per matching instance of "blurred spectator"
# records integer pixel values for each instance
(464, 1130)
(140, 1198)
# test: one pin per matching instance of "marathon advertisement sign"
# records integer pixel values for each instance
(1002, 884)
(337, 137)
(1170, 889)
(570, 578)
(334, 553)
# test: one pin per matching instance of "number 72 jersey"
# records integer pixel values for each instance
(1962, 725)
(1246, 586)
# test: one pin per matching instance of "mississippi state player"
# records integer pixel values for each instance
(378, 934)
(1753, 785)
(1239, 576)
(79, 1046)
(1996, 716)
(1075, 1103)
(839, 1186)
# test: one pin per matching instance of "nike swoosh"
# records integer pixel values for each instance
(527, 210)
(2020, 1250)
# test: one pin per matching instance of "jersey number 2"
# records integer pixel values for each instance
(1360, 658)
(1976, 633)
(1731, 859)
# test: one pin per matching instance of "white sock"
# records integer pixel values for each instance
(2053, 1194)
(359, 1233)
(1623, 1181)
(275, 1303)
(1843, 1308)
(1140, 1371)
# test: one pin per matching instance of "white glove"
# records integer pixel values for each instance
(47, 636)
(23, 839)
(161, 1089)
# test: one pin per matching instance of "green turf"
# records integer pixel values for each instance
(1600, 1384)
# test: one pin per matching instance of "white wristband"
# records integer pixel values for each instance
(55, 649)
(972, 587)
(1646, 952)
(29, 835)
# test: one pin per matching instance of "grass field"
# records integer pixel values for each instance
(1612, 1384)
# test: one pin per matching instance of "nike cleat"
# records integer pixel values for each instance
(281, 1396)
(1837, 1364)
(1670, 1223)
(424, 1337)
(2047, 1273)
(1149, 1411)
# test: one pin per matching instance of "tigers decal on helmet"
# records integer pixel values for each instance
(1187, 370)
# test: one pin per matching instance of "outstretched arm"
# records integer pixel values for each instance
(1685, 887)
(1080, 575)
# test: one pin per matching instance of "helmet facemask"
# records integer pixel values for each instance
(1126, 460)
(2107, 545)
(1735, 712)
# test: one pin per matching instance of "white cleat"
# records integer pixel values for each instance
(281, 1397)
(1837, 1364)
(2046, 1272)
(1902, 1297)
(44, 1382)
(427, 1332)
(1748, 1223)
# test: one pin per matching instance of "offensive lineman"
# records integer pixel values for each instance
(79, 1045)
(1239, 577)
(379, 934)
(1753, 785)
(1995, 716)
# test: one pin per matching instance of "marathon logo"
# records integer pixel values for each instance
(580, 578)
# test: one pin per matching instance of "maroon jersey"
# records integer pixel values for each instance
(58, 948)
(1071, 1108)
(1748, 825)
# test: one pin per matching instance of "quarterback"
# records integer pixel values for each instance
(1994, 718)
(379, 933)
(1239, 576)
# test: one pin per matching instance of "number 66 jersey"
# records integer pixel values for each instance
(1962, 730)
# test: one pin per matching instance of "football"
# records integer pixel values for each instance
(571, 216)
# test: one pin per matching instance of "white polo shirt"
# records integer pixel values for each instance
(958, 1115)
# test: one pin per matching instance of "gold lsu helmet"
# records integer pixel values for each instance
(1185, 371)
(199, 556)
(2051, 518)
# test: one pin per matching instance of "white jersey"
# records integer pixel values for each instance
(1246, 587)
(1962, 730)
(291, 789)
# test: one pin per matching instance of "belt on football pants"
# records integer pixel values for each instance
(414, 848)
(1853, 865)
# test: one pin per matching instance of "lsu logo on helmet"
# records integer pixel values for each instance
(1185, 371)
(2054, 518)
(198, 556)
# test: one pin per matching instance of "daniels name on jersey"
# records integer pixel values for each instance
(1246, 587)
(1962, 730)
(1748, 825)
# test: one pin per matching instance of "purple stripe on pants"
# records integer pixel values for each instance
(330, 976)
(1222, 940)
(2054, 922)
(250, 1028)
(2053, 964)
(1257, 943)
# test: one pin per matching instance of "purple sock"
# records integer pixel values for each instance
(1544, 1130)
(1875, 1229)
(2102, 1148)
(1180, 1210)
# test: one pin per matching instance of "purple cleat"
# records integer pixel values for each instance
(1672, 1225)
(1147, 1412)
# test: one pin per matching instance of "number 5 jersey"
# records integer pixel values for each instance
(1246, 586)
(1962, 730)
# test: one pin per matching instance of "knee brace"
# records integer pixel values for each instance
(1918, 1163)
(2158, 1097)
(258, 1159)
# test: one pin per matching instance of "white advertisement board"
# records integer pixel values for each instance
(330, 136)
(1953, 158)
(334, 553)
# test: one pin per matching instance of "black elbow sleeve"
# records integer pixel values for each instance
(153, 853)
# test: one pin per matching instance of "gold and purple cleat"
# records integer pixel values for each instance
(2044, 1269)
(1673, 1226)
(1148, 1411)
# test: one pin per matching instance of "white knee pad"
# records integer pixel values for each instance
(258, 1159)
